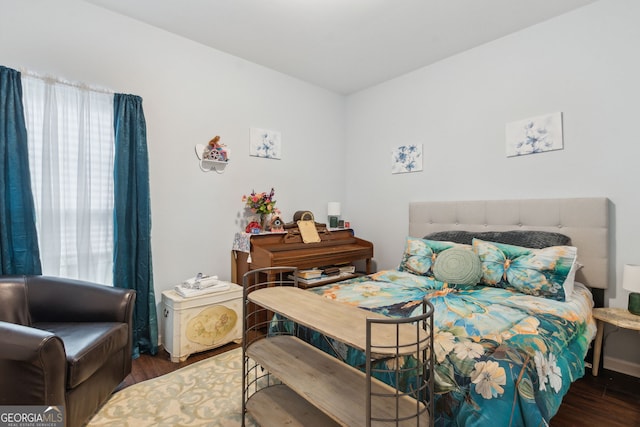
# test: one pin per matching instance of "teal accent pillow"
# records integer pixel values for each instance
(420, 254)
(538, 272)
(460, 266)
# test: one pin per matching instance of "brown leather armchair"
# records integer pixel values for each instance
(63, 342)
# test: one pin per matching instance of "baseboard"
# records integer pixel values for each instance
(622, 366)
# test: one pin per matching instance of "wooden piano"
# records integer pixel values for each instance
(284, 249)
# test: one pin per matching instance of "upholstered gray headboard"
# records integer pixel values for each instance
(584, 220)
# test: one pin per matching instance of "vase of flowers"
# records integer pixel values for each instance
(263, 205)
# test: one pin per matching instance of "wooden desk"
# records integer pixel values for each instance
(620, 317)
(277, 249)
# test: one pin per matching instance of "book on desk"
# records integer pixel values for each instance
(325, 275)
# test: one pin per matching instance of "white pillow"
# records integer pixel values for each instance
(568, 282)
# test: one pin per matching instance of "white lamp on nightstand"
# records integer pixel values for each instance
(631, 282)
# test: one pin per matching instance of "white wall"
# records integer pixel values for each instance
(191, 93)
(584, 64)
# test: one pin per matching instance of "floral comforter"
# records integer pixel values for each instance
(502, 358)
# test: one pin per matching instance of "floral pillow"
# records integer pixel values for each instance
(539, 272)
(420, 255)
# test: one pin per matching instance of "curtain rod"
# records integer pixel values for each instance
(79, 85)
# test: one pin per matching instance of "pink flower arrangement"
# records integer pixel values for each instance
(261, 203)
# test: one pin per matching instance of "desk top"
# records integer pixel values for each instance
(242, 241)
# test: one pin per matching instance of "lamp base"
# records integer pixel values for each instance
(634, 303)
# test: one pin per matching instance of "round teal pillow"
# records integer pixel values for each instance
(458, 266)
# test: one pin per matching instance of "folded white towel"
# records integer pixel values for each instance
(200, 282)
(190, 292)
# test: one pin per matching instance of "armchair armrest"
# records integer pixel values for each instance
(33, 365)
(53, 299)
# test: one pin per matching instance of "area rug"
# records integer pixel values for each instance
(206, 393)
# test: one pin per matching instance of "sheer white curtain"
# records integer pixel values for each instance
(71, 151)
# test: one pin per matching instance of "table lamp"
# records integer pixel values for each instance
(631, 282)
(333, 211)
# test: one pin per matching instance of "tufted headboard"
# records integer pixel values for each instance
(584, 220)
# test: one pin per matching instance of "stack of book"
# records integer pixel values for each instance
(316, 275)
(309, 274)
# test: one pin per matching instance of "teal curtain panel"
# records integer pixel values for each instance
(19, 253)
(132, 219)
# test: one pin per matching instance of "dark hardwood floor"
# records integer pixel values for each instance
(609, 400)
(146, 366)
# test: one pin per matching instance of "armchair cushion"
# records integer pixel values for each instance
(87, 346)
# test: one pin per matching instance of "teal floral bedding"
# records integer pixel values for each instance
(503, 358)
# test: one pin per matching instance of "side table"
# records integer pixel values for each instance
(620, 317)
(199, 323)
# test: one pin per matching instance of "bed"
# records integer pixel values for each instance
(505, 352)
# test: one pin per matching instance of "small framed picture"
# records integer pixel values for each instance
(534, 135)
(265, 143)
(406, 158)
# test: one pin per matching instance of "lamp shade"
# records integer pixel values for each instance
(631, 278)
(333, 209)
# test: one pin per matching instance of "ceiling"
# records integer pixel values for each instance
(342, 45)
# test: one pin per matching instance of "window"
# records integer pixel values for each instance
(71, 154)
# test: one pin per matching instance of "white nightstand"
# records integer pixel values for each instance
(200, 323)
(620, 317)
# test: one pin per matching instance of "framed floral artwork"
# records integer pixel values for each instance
(406, 158)
(265, 143)
(534, 135)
